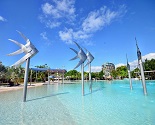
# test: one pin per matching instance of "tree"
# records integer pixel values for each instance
(122, 72)
(86, 75)
(3, 71)
(134, 73)
(97, 75)
(113, 74)
(41, 76)
(73, 75)
(101, 74)
(149, 65)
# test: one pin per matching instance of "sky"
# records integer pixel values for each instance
(106, 28)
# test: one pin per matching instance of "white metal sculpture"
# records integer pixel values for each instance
(129, 74)
(30, 50)
(90, 58)
(82, 56)
(141, 68)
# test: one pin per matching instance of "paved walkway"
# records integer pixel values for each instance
(5, 89)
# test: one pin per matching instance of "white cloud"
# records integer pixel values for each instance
(95, 21)
(52, 24)
(48, 23)
(45, 38)
(96, 68)
(2, 19)
(49, 9)
(134, 63)
(43, 35)
(148, 56)
(57, 10)
(66, 35)
(119, 64)
(66, 6)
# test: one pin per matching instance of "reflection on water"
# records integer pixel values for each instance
(109, 103)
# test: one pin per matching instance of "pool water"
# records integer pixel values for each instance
(110, 103)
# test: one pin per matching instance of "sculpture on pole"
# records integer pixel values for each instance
(82, 56)
(90, 58)
(141, 68)
(30, 50)
(129, 74)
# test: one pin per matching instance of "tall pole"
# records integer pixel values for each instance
(143, 77)
(36, 76)
(63, 77)
(26, 78)
(31, 77)
(130, 79)
(90, 77)
(129, 74)
(48, 77)
(141, 69)
(82, 78)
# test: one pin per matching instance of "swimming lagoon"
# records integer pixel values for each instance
(110, 103)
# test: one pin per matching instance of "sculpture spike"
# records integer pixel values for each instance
(80, 62)
(136, 43)
(90, 57)
(127, 59)
(138, 52)
(74, 58)
(19, 44)
(21, 61)
(22, 35)
(77, 45)
(74, 50)
(16, 52)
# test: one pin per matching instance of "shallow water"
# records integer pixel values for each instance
(110, 103)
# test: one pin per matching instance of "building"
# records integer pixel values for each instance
(107, 68)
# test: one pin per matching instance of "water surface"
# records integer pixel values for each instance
(110, 103)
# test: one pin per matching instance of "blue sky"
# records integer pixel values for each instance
(106, 28)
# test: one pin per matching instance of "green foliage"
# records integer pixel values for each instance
(43, 66)
(134, 74)
(97, 75)
(73, 75)
(16, 74)
(114, 74)
(40, 76)
(122, 72)
(149, 65)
